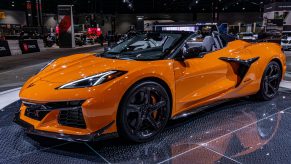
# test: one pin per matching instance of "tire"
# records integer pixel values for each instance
(270, 82)
(144, 112)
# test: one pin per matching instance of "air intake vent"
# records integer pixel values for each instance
(35, 114)
(72, 118)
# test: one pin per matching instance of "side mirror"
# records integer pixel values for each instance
(189, 53)
(180, 57)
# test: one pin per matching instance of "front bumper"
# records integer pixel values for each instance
(98, 109)
(96, 136)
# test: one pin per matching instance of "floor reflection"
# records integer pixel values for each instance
(233, 132)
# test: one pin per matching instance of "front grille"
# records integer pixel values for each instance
(54, 105)
(39, 111)
(73, 118)
(35, 111)
(35, 114)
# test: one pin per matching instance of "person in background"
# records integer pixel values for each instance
(84, 37)
(101, 39)
(2, 37)
(109, 39)
(21, 35)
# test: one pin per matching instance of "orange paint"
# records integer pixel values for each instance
(193, 83)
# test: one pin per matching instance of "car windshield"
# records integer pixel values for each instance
(146, 46)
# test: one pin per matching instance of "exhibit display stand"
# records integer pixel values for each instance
(4, 49)
(14, 47)
(66, 26)
(277, 16)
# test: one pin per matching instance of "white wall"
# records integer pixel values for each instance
(49, 21)
(14, 17)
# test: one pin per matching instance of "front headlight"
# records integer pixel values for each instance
(93, 80)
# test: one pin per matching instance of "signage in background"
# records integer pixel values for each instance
(29, 13)
(275, 22)
(2, 15)
(4, 49)
(66, 26)
(277, 6)
(29, 46)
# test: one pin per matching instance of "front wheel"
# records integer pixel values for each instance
(144, 112)
(270, 82)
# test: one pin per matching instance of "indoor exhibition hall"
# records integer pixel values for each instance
(145, 81)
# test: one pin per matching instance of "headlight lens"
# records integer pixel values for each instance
(93, 80)
(47, 65)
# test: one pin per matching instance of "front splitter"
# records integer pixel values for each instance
(96, 136)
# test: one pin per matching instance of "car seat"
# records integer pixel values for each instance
(208, 44)
(217, 40)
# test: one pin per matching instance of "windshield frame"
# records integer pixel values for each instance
(164, 55)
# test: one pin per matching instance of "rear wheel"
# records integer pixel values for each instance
(270, 82)
(144, 112)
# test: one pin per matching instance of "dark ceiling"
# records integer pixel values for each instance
(146, 6)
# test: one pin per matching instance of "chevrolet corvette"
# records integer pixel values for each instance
(133, 89)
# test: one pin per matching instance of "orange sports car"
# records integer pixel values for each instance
(134, 88)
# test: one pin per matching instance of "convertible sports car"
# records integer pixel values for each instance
(134, 88)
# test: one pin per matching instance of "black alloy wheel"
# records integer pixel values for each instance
(270, 81)
(144, 112)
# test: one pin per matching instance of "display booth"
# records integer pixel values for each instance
(4, 49)
(277, 16)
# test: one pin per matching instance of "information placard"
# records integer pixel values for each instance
(29, 46)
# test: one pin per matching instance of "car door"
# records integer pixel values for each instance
(201, 80)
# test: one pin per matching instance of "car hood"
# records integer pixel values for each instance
(79, 66)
